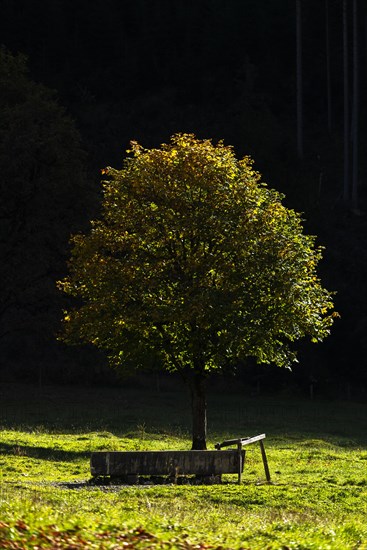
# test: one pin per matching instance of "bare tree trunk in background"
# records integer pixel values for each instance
(299, 81)
(346, 101)
(355, 107)
(328, 72)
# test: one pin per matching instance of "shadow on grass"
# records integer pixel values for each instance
(115, 484)
(144, 412)
(42, 453)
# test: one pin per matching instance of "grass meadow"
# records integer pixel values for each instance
(317, 453)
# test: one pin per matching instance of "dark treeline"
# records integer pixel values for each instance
(260, 75)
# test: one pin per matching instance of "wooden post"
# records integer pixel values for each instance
(241, 443)
(265, 461)
(239, 449)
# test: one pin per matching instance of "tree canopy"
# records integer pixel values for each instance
(197, 262)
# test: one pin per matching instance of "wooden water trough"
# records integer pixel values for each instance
(129, 465)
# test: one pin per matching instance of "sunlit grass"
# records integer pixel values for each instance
(317, 456)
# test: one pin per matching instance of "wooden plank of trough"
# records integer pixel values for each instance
(248, 440)
(165, 463)
(244, 441)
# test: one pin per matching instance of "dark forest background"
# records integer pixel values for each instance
(101, 73)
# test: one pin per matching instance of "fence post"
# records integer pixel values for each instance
(265, 461)
(239, 449)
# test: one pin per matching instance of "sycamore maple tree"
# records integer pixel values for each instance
(197, 262)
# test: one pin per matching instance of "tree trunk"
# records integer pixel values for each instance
(355, 107)
(328, 70)
(346, 102)
(299, 81)
(198, 408)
